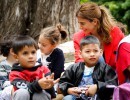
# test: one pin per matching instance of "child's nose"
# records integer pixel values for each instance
(31, 55)
(92, 53)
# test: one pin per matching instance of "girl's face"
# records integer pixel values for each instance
(45, 45)
(87, 26)
(27, 57)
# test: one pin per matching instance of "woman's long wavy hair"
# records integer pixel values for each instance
(106, 22)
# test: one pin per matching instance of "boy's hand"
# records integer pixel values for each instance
(47, 82)
(92, 89)
(52, 77)
(74, 91)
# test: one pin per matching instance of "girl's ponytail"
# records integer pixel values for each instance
(62, 31)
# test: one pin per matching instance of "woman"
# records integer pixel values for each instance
(96, 20)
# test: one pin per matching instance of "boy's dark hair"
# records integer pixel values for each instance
(89, 40)
(21, 41)
(5, 48)
(6, 45)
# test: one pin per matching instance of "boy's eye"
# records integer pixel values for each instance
(95, 50)
(87, 51)
(25, 53)
(33, 52)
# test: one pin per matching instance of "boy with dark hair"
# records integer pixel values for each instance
(29, 78)
(88, 80)
(5, 67)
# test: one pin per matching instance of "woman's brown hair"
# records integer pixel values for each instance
(106, 22)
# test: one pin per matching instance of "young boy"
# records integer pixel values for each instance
(5, 67)
(30, 79)
(87, 80)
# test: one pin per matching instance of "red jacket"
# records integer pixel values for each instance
(109, 49)
(28, 78)
(123, 60)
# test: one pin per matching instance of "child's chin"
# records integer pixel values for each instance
(31, 66)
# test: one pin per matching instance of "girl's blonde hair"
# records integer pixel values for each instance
(54, 33)
(106, 22)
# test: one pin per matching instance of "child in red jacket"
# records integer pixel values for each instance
(29, 78)
(123, 60)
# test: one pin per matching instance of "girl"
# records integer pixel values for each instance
(95, 20)
(48, 52)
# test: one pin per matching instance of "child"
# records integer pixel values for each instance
(30, 80)
(87, 80)
(49, 54)
(5, 67)
(123, 60)
(122, 92)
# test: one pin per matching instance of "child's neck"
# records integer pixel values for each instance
(49, 53)
(10, 60)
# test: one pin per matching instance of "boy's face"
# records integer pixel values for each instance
(27, 57)
(91, 53)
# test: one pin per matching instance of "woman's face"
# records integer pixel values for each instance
(87, 26)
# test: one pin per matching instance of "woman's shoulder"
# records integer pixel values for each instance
(117, 33)
(79, 33)
(116, 30)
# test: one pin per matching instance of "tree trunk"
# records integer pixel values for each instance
(29, 16)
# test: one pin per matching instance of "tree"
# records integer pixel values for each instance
(29, 16)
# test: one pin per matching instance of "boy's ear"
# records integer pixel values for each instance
(101, 52)
(80, 55)
(13, 54)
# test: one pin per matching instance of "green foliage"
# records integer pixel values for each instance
(83, 1)
(120, 9)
